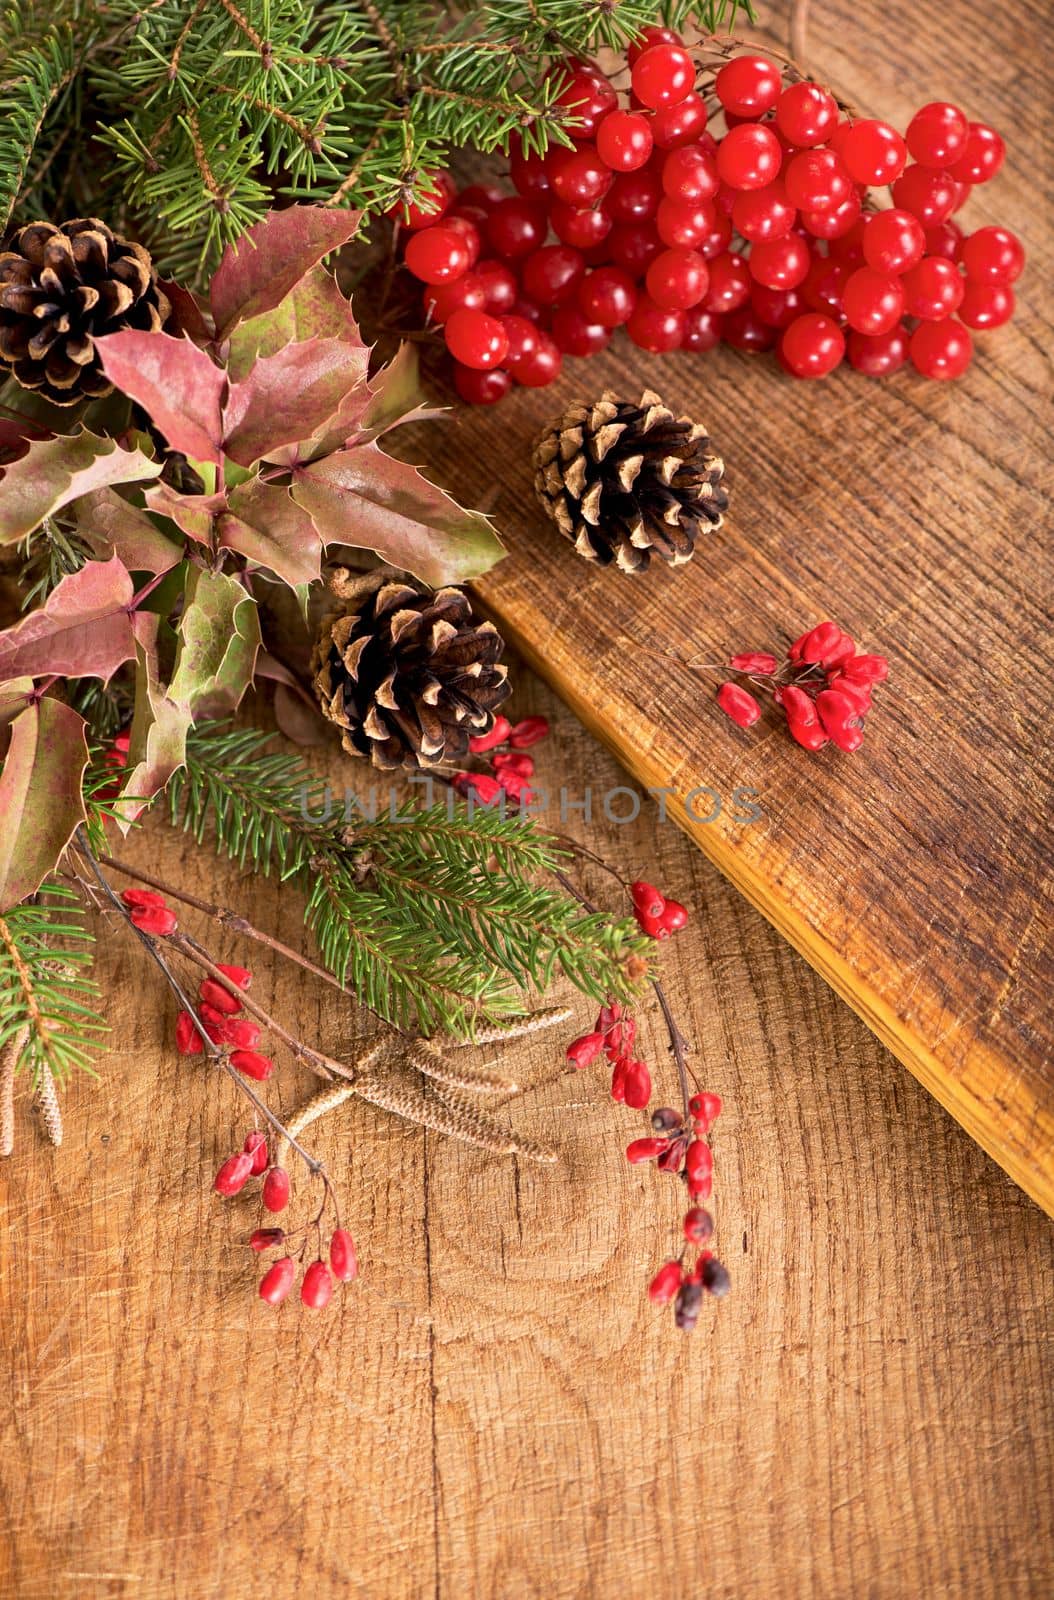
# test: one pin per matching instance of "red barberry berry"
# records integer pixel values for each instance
(266, 1238)
(583, 1051)
(233, 1175)
(343, 1256)
(646, 898)
(639, 1150)
(277, 1281)
(687, 1305)
(252, 1064)
(156, 920)
(757, 662)
(498, 733)
(705, 1109)
(738, 704)
(665, 1283)
(715, 1278)
(698, 1225)
(275, 1193)
(256, 1146)
(219, 998)
(188, 1039)
(241, 977)
(528, 732)
(138, 899)
(316, 1291)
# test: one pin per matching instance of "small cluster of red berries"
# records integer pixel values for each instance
(823, 689)
(150, 912)
(762, 236)
(316, 1288)
(222, 1017)
(683, 1150)
(656, 915)
(614, 1034)
(511, 767)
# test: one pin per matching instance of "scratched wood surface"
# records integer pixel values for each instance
(497, 1414)
(916, 875)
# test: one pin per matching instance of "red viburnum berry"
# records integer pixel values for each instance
(220, 999)
(665, 1283)
(581, 1052)
(266, 1238)
(256, 1146)
(233, 1175)
(343, 1256)
(639, 1150)
(646, 898)
(252, 1064)
(188, 1040)
(738, 704)
(498, 734)
(316, 1291)
(527, 732)
(698, 1225)
(759, 662)
(277, 1281)
(157, 920)
(275, 1193)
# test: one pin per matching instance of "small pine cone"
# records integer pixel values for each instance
(627, 481)
(406, 672)
(60, 289)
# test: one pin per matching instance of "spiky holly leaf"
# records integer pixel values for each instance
(158, 743)
(83, 630)
(219, 635)
(271, 258)
(264, 523)
(193, 514)
(364, 497)
(314, 308)
(40, 787)
(112, 527)
(53, 472)
(176, 383)
(396, 395)
(288, 397)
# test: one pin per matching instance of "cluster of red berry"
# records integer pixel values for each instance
(824, 688)
(682, 1149)
(613, 1036)
(762, 236)
(655, 914)
(149, 912)
(511, 768)
(222, 1017)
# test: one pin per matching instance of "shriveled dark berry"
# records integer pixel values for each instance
(716, 1280)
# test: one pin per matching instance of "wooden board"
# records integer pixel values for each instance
(915, 875)
(498, 1415)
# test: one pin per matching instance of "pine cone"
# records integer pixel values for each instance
(627, 481)
(62, 287)
(406, 672)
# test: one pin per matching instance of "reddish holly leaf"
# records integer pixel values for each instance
(176, 383)
(287, 397)
(158, 742)
(193, 514)
(264, 523)
(55, 471)
(396, 395)
(364, 497)
(267, 261)
(40, 788)
(112, 527)
(186, 315)
(314, 308)
(83, 630)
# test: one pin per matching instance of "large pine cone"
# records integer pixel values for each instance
(60, 289)
(405, 672)
(626, 481)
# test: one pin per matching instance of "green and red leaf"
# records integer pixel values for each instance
(176, 383)
(83, 630)
(54, 472)
(288, 397)
(314, 308)
(112, 527)
(264, 523)
(260, 269)
(40, 787)
(219, 636)
(158, 742)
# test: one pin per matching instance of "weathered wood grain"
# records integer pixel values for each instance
(917, 874)
(497, 1412)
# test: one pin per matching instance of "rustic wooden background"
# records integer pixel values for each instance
(917, 874)
(497, 1413)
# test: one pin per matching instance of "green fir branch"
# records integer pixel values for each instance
(46, 989)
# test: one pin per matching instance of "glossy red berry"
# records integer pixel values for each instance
(584, 1051)
(684, 123)
(873, 301)
(873, 153)
(624, 141)
(729, 284)
(878, 356)
(435, 194)
(156, 920)
(343, 1256)
(543, 367)
(481, 388)
(219, 998)
(665, 1283)
(806, 114)
(438, 254)
(690, 174)
(316, 1291)
(992, 255)
(188, 1039)
(516, 227)
(677, 279)
(749, 157)
(812, 346)
(233, 1174)
(702, 330)
(698, 1224)
(781, 263)
(662, 75)
(738, 704)
(500, 286)
(582, 228)
(674, 916)
(651, 327)
(275, 1193)
(986, 305)
(550, 276)
(634, 196)
(760, 214)
(932, 290)
(705, 1108)
(646, 898)
(277, 1281)
(522, 336)
(894, 241)
(816, 180)
(255, 1146)
(587, 96)
(578, 176)
(836, 222)
(982, 155)
(941, 349)
(476, 339)
(607, 296)
(575, 335)
(139, 899)
(937, 134)
(927, 193)
(744, 330)
(653, 34)
(251, 1064)
(639, 1150)
(684, 224)
(528, 174)
(266, 1238)
(632, 246)
(748, 86)
(759, 662)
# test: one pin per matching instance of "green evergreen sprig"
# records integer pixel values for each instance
(46, 991)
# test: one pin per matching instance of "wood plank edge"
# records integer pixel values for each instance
(998, 1130)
